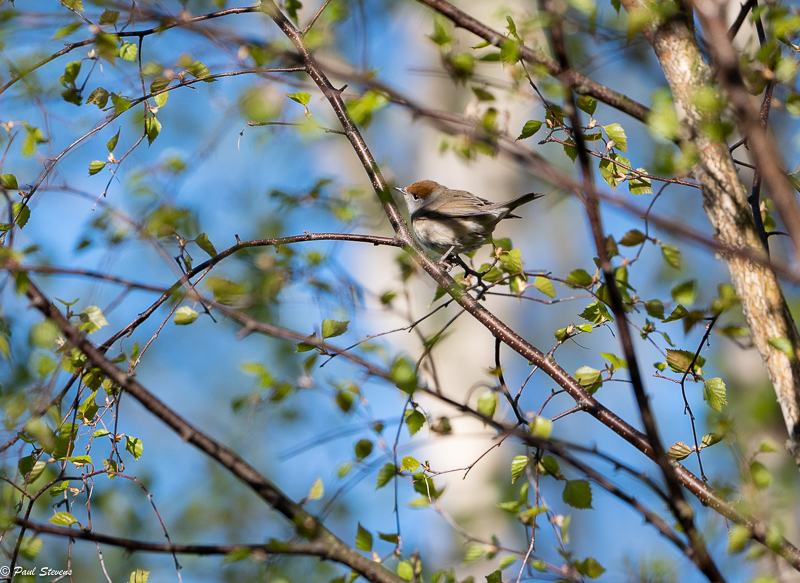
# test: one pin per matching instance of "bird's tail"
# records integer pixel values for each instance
(525, 198)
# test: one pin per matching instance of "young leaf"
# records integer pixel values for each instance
(363, 539)
(128, 51)
(152, 128)
(529, 129)
(578, 494)
(9, 181)
(112, 143)
(333, 328)
(62, 519)
(99, 97)
(184, 315)
(205, 244)
(317, 490)
(96, 166)
(580, 277)
(783, 345)
(134, 446)
(414, 421)
(541, 427)
(108, 17)
(715, 394)
(409, 464)
(589, 378)
(671, 255)
(404, 375)
(385, 475)
(632, 238)
(616, 133)
(587, 104)
(487, 403)
(545, 286)
(518, 465)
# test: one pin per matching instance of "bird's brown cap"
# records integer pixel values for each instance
(424, 188)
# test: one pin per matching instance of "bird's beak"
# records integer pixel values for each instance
(400, 190)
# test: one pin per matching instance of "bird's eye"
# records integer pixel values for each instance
(416, 197)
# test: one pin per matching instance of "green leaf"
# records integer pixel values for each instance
(529, 129)
(333, 328)
(108, 17)
(685, 293)
(677, 314)
(152, 128)
(96, 166)
(22, 213)
(783, 345)
(161, 99)
(761, 475)
(362, 109)
(616, 361)
(363, 449)
(107, 45)
(578, 494)
(198, 70)
(62, 519)
(541, 427)
(128, 51)
(184, 315)
(414, 421)
(639, 185)
(589, 378)
(9, 181)
(611, 170)
(616, 133)
(671, 255)
(301, 98)
(580, 277)
(74, 4)
(495, 577)
(545, 286)
(71, 72)
(158, 84)
(482, 94)
(292, 6)
(385, 475)
(710, 439)
(112, 143)
(99, 97)
(597, 313)
(589, 567)
(474, 552)
(121, 104)
(507, 561)
(715, 393)
(139, 576)
(317, 490)
(405, 570)
(587, 104)
(738, 537)
(518, 465)
(655, 308)
(679, 360)
(363, 539)
(92, 319)
(404, 375)
(410, 464)
(66, 30)
(487, 404)
(632, 238)
(134, 446)
(389, 537)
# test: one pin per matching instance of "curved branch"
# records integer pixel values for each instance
(305, 524)
(581, 84)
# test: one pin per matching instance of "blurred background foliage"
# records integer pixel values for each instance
(144, 193)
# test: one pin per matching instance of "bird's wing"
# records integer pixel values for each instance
(462, 204)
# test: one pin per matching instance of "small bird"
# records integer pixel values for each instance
(450, 222)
